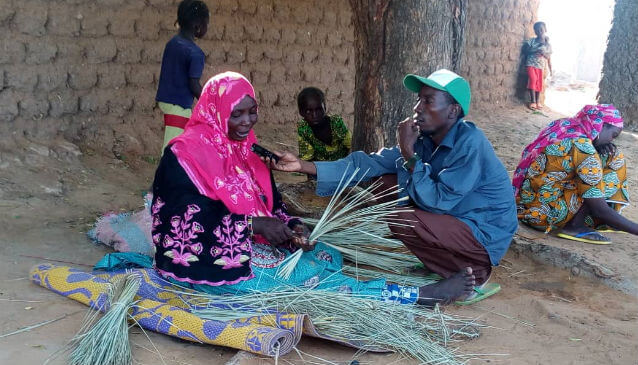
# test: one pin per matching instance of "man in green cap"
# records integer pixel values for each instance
(465, 214)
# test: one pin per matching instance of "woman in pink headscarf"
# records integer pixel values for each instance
(213, 196)
(572, 178)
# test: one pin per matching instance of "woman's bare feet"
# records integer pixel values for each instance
(459, 285)
(532, 106)
(576, 228)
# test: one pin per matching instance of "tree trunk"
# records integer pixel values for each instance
(619, 82)
(394, 38)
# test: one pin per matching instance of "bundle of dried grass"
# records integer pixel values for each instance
(106, 341)
(353, 214)
(368, 244)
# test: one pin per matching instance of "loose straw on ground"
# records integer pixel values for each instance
(37, 325)
(21, 300)
(370, 323)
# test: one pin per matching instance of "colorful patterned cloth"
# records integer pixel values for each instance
(400, 293)
(562, 176)
(586, 124)
(312, 149)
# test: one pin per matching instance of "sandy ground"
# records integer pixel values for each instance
(50, 195)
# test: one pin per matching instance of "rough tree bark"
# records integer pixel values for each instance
(394, 38)
(619, 83)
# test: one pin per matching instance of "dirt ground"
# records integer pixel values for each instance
(50, 195)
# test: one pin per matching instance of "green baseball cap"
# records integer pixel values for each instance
(445, 80)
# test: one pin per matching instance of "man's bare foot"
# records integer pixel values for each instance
(459, 285)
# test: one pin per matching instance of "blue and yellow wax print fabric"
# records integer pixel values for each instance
(563, 175)
(160, 307)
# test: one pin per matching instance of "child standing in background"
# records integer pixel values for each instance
(182, 67)
(538, 51)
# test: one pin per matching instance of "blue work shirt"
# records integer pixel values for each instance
(182, 60)
(462, 177)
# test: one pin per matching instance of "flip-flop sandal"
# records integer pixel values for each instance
(579, 238)
(609, 230)
(481, 292)
(606, 229)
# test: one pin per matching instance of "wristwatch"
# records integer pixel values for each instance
(411, 162)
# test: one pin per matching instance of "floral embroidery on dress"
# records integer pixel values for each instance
(184, 250)
(155, 209)
(241, 183)
(235, 249)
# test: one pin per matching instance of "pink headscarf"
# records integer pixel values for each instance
(222, 168)
(588, 122)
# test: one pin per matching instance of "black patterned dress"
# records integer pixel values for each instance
(197, 239)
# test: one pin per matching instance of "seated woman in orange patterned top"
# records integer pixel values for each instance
(572, 178)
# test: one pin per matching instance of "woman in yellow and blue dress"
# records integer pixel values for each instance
(573, 179)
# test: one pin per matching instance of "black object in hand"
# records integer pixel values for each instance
(260, 151)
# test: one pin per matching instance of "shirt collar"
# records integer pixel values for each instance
(450, 137)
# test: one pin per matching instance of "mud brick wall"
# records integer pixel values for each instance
(619, 84)
(87, 70)
(494, 34)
